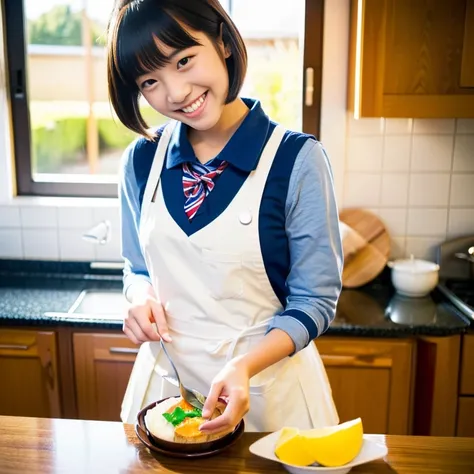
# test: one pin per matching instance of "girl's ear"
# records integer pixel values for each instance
(225, 44)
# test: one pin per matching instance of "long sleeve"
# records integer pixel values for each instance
(316, 259)
(135, 270)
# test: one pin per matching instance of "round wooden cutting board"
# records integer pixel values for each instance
(364, 265)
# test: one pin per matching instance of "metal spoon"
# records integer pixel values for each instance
(193, 397)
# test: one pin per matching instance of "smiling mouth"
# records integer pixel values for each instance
(195, 105)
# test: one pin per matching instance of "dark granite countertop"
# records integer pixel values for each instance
(28, 290)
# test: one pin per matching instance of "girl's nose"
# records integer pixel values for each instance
(178, 93)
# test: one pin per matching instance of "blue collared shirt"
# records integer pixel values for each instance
(298, 218)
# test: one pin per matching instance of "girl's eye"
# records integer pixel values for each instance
(148, 83)
(183, 62)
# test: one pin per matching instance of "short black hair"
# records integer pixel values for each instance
(132, 51)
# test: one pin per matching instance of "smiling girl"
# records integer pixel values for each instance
(230, 230)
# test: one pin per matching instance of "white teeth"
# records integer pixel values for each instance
(195, 105)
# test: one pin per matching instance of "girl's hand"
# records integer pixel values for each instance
(143, 313)
(232, 384)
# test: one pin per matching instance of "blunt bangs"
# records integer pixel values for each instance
(137, 52)
(135, 27)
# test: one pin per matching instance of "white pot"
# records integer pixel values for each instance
(412, 277)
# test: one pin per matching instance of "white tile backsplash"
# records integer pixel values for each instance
(11, 243)
(366, 126)
(397, 247)
(465, 126)
(429, 190)
(72, 247)
(463, 153)
(71, 217)
(365, 154)
(432, 152)
(427, 222)
(9, 217)
(422, 247)
(39, 217)
(398, 126)
(395, 220)
(460, 223)
(394, 190)
(40, 244)
(362, 189)
(396, 153)
(373, 160)
(433, 126)
(462, 190)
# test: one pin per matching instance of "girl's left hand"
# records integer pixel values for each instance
(231, 383)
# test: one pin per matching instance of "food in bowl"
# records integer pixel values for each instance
(175, 420)
(332, 446)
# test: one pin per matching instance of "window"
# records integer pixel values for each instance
(67, 141)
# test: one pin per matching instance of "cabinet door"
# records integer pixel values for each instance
(103, 363)
(371, 379)
(29, 374)
(465, 422)
(412, 58)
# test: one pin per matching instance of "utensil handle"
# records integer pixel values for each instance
(171, 362)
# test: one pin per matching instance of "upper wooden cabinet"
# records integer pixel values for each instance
(371, 379)
(103, 364)
(411, 58)
(29, 374)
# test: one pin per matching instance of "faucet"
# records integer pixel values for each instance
(99, 234)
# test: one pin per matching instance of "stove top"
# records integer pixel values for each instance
(456, 275)
(460, 293)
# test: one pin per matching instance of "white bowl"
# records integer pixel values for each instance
(412, 277)
(370, 451)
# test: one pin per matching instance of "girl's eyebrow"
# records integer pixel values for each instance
(175, 53)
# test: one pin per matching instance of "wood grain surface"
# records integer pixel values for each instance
(368, 262)
(39, 445)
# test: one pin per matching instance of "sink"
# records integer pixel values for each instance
(99, 303)
(95, 304)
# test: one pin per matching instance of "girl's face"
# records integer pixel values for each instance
(192, 87)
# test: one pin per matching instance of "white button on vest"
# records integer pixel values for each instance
(245, 217)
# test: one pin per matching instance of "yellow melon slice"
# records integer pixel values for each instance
(333, 446)
(288, 448)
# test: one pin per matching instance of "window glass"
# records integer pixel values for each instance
(73, 130)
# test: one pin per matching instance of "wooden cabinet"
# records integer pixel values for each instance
(371, 379)
(29, 374)
(103, 363)
(465, 418)
(411, 58)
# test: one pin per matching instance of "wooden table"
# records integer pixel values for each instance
(37, 446)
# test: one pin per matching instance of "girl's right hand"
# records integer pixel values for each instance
(144, 316)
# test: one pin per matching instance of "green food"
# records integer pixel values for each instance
(178, 415)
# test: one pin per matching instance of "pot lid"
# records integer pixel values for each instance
(413, 265)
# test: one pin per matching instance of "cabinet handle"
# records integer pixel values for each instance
(123, 350)
(338, 359)
(14, 347)
(350, 359)
(309, 89)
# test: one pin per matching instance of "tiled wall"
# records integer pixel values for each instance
(51, 229)
(417, 175)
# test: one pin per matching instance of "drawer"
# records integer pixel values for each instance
(467, 365)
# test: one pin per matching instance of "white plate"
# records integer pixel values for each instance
(370, 451)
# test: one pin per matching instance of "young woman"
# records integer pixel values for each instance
(229, 226)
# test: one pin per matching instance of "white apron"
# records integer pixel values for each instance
(218, 302)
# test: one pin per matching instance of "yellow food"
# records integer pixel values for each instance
(289, 448)
(332, 446)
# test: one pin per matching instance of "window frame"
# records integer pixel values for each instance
(17, 80)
